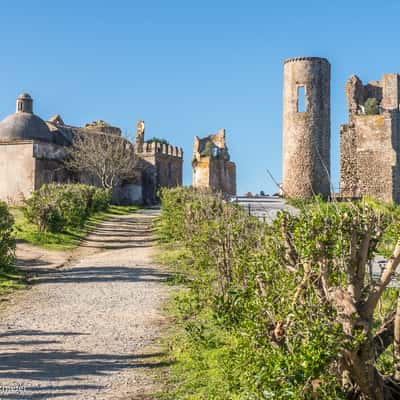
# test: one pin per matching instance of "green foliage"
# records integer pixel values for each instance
(158, 140)
(371, 106)
(70, 237)
(302, 203)
(249, 327)
(10, 278)
(208, 150)
(7, 241)
(55, 207)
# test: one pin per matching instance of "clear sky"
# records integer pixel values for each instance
(190, 67)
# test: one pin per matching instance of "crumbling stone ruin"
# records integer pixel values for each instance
(369, 143)
(161, 164)
(211, 164)
(32, 153)
(104, 127)
(306, 127)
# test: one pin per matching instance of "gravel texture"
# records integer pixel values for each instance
(87, 328)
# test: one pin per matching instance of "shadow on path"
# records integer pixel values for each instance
(54, 366)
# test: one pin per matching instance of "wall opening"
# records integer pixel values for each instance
(301, 99)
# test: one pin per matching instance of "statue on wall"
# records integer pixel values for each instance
(140, 135)
(140, 131)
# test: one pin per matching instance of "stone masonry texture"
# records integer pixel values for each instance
(212, 167)
(369, 144)
(306, 133)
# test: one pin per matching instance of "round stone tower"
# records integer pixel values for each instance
(306, 127)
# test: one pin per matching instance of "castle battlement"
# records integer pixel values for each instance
(313, 59)
(151, 148)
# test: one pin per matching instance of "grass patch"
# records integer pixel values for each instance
(197, 348)
(122, 210)
(175, 257)
(198, 354)
(11, 279)
(66, 240)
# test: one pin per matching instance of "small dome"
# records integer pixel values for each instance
(24, 96)
(24, 126)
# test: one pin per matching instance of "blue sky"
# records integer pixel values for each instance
(190, 67)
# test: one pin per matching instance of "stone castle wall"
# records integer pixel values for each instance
(306, 133)
(216, 174)
(211, 164)
(369, 144)
(17, 171)
(161, 165)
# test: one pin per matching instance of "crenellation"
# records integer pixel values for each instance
(161, 148)
(313, 59)
(36, 149)
(161, 164)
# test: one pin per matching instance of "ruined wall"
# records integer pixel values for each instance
(48, 166)
(219, 175)
(169, 170)
(127, 194)
(211, 164)
(17, 171)
(306, 132)
(161, 165)
(103, 127)
(202, 173)
(229, 180)
(50, 171)
(369, 162)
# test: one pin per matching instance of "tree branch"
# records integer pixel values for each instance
(378, 288)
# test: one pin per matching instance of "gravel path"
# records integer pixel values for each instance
(88, 330)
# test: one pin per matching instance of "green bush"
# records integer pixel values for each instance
(158, 140)
(7, 242)
(54, 207)
(101, 200)
(256, 323)
(371, 106)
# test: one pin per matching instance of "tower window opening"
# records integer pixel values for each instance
(301, 99)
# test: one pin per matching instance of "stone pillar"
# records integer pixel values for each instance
(306, 127)
(390, 92)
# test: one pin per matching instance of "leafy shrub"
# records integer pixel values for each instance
(208, 150)
(43, 210)
(54, 207)
(261, 319)
(371, 106)
(101, 200)
(7, 242)
(158, 140)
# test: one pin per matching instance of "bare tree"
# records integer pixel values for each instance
(110, 158)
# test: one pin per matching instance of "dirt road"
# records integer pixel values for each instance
(86, 330)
